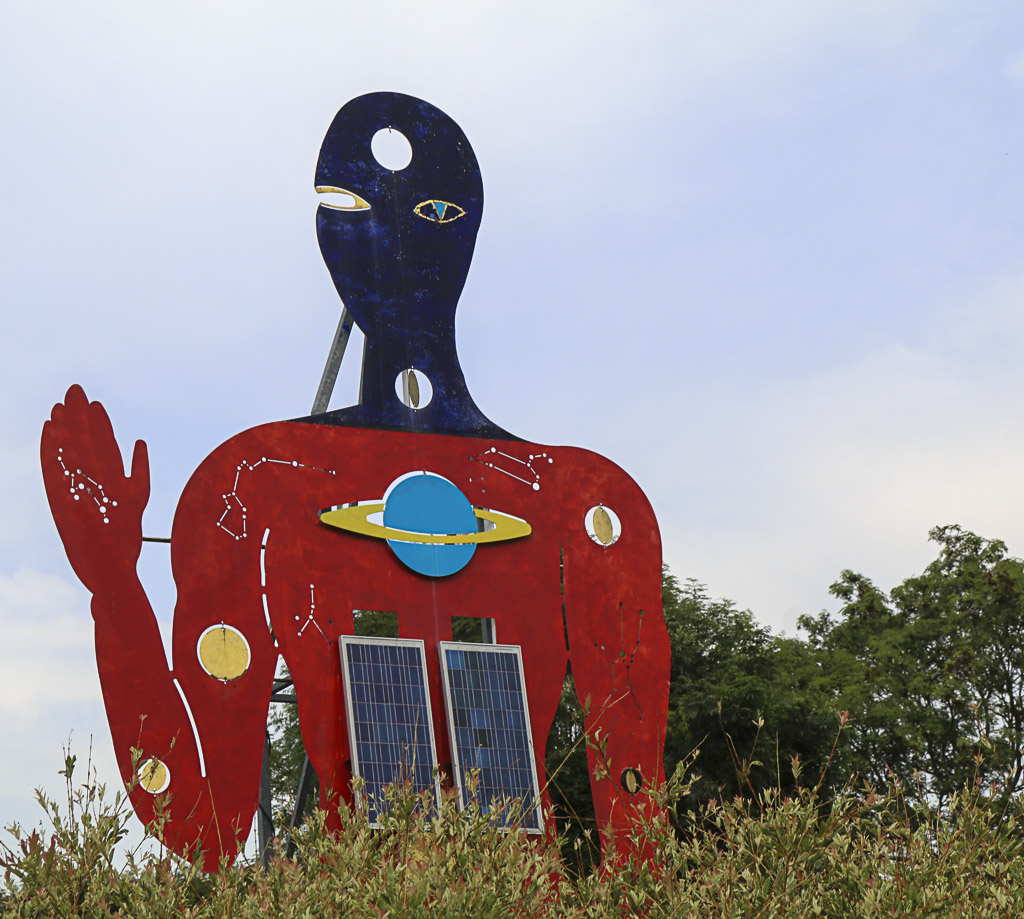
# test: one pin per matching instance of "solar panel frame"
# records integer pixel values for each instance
(459, 765)
(345, 643)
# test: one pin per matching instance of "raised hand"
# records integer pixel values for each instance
(97, 508)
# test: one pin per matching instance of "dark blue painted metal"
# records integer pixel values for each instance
(401, 264)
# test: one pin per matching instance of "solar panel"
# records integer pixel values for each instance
(489, 727)
(390, 730)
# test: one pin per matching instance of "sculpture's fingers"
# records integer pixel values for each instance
(140, 471)
(47, 440)
(57, 415)
(51, 442)
(75, 398)
(99, 421)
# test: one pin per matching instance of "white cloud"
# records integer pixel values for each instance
(47, 653)
(51, 691)
(851, 467)
(1014, 67)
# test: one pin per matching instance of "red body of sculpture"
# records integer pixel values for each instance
(251, 556)
(269, 555)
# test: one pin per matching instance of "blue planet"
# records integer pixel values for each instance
(430, 504)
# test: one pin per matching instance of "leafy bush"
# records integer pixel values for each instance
(857, 853)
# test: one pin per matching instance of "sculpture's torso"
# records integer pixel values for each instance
(251, 517)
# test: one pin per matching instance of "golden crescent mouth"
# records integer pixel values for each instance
(346, 200)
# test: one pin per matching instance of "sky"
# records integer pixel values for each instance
(768, 257)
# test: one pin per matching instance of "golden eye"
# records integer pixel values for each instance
(438, 211)
(341, 199)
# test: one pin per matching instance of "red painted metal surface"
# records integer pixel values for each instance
(248, 550)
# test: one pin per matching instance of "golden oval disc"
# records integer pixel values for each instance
(631, 781)
(602, 524)
(154, 776)
(414, 389)
(223, 652)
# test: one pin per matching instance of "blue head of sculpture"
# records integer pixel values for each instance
(399, 256)
(399, 252)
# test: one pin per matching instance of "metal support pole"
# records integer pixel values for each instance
(306, 777)
(265, 816)
(337, 352)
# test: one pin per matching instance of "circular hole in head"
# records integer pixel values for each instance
(413, 389)
(391, 149)
(602, 525)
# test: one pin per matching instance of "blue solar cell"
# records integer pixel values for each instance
(489, 726)
(388, 705)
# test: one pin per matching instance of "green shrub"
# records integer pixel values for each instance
(855, 853)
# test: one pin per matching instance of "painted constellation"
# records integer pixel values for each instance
(233, 503)
(490, 458)
(82, 483)
(311, 617)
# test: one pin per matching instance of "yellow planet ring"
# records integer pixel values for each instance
(353, 518)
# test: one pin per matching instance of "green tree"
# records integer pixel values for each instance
(746, 696)
(861, 665)
(287, 754)
(565, 762)
(933, 672)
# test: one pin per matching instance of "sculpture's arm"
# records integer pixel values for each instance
(619, 651)
(98, 512)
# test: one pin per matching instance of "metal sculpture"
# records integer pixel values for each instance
(411, 501)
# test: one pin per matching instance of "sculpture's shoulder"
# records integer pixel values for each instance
(593, 470)
(579, 481)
